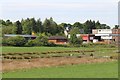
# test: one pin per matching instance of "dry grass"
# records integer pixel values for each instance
(9, 65)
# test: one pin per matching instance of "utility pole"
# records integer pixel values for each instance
(119, 27)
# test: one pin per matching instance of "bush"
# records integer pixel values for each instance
(98, 45)
(51, 44)
(4, 42)
(74, 41)
(41, 40)
(30, 43)
(15, 41)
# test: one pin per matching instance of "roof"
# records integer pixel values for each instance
(13, 35)
(56, 37)
(102, 34)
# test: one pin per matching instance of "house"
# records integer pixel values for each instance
(102, 35)
(25, 36)
(58, 39)
(107, 35)
(116, 35)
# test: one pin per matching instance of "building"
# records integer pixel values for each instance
(106, 35)
(102, 35)
(116, 35)
(58, 40)
(86, 37)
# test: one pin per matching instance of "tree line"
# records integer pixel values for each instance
(48, 26)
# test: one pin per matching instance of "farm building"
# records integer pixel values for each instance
(58, 39)
(86, 37)
(116, 35)
(102, 35)
(106, 35)
(25, 36)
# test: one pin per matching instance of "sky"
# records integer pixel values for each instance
(68, 11)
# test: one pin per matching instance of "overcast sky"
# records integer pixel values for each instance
(69, 11)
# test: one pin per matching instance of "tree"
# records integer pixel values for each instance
(8, 22)
(74, 40)
(27, 28)
(74, 30)
(46, 25)
(104, 26)
(78, 24)
(17, 28)
(116, 27)
(2, 23)
(41, 40)
(39, 26)
(88, 26)
(33, 25)
(98, 25)
(7, 30)
(50, 26)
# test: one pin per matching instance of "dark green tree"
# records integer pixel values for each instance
(39, 26)
(8, 22)
(116, 27)
(17, 28)
(33, 25)
(27, 28)
(78, 24)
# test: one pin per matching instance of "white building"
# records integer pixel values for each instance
(104, 34)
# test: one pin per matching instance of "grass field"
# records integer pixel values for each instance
(100, 51)
(96, 70)
(93, 70)
(38, 49)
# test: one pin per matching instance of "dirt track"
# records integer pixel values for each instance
(47, 62)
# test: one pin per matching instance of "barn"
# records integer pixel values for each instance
(58, 40)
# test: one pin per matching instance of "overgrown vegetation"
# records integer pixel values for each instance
(14, 41)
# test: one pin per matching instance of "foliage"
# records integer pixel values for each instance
(29, 25)
(30, 43)
(15, 41)
(98, 45)
(116, 27)
(41, 40)
(17, 28)
(74, 40)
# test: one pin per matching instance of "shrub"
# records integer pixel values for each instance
(41, 40)
(4, 42)
(74, 41)
(16, 41)
(51, 44)
(30, 43)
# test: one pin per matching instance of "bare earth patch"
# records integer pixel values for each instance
(8, 65)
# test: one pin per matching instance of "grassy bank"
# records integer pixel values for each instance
(96, 70)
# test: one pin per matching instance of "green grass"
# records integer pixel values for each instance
(43, 49)
(99, 51)
(40, 49)
(96, 70)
